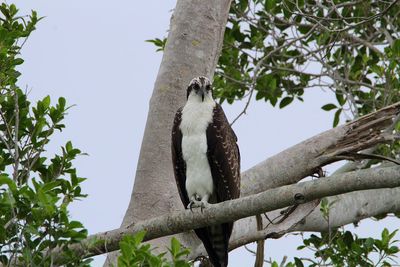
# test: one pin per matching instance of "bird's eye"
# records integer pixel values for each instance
(208, 87)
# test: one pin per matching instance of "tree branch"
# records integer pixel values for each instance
(354, 207)
(269, 200)
(307, 157)
(348, 208)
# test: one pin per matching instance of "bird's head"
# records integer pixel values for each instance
(200, 87)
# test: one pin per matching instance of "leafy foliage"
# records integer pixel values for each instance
(276, 49)
(160, 43)
(347, 249)
(133, 253)
(35, 191)
(281, 47)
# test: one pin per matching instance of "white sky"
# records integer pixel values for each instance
(94, 53)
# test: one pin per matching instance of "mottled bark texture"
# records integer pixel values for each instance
(193, 47)
(269, 200)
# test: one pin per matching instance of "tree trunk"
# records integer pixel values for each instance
(193, 47)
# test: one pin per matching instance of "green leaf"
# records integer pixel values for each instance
(61, 103)
(392, 234)
(328, 107)
(46, 102)
(68, 146)
(125, 248)
(158, 43)
(337, 117)
(340, 98)
(272, 84)
(385, 238)
(5, 179)
(393, 250)
(175, 246)
(269, 4)
(298, 262)
(139, 236)
(348, 239)
(396, 48)
(17, 61)
(285, 101)
(183, 252)
(304, 29)
(75, 224)
(50, 185)
(243, 4)
(38, 129)
(273, 100)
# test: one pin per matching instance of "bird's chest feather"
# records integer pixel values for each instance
(195, 119)
(196, 116)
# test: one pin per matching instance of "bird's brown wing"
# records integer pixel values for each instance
(223, 156)
(177, 158)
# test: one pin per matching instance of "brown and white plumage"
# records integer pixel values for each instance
(206, 162)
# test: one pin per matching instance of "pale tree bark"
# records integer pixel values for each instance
(348, 208)
(193, 47)
(353, 207)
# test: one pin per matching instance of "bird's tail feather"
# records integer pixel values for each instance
(217, 244)
(216, 241)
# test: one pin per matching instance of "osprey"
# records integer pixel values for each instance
(206, 162)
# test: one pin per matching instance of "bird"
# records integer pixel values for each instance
(206, 162)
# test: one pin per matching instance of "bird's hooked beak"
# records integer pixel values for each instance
(202, 92)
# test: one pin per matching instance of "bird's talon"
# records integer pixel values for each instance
(190, 206)
(202, 206)
(196, 204)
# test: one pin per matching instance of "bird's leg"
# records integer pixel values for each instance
(204, 201)
(194, 202)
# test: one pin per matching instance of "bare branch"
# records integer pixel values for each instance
(317, 20)
(260, 63)
(16, 140)
(354, 207)
(260, 244)
(305, 158)
(362, 41)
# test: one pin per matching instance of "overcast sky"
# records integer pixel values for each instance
(94, 53)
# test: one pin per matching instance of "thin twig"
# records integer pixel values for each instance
(16, 140)
(260, 64)
(259, 262)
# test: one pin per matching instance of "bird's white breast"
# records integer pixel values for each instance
(196, 116)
